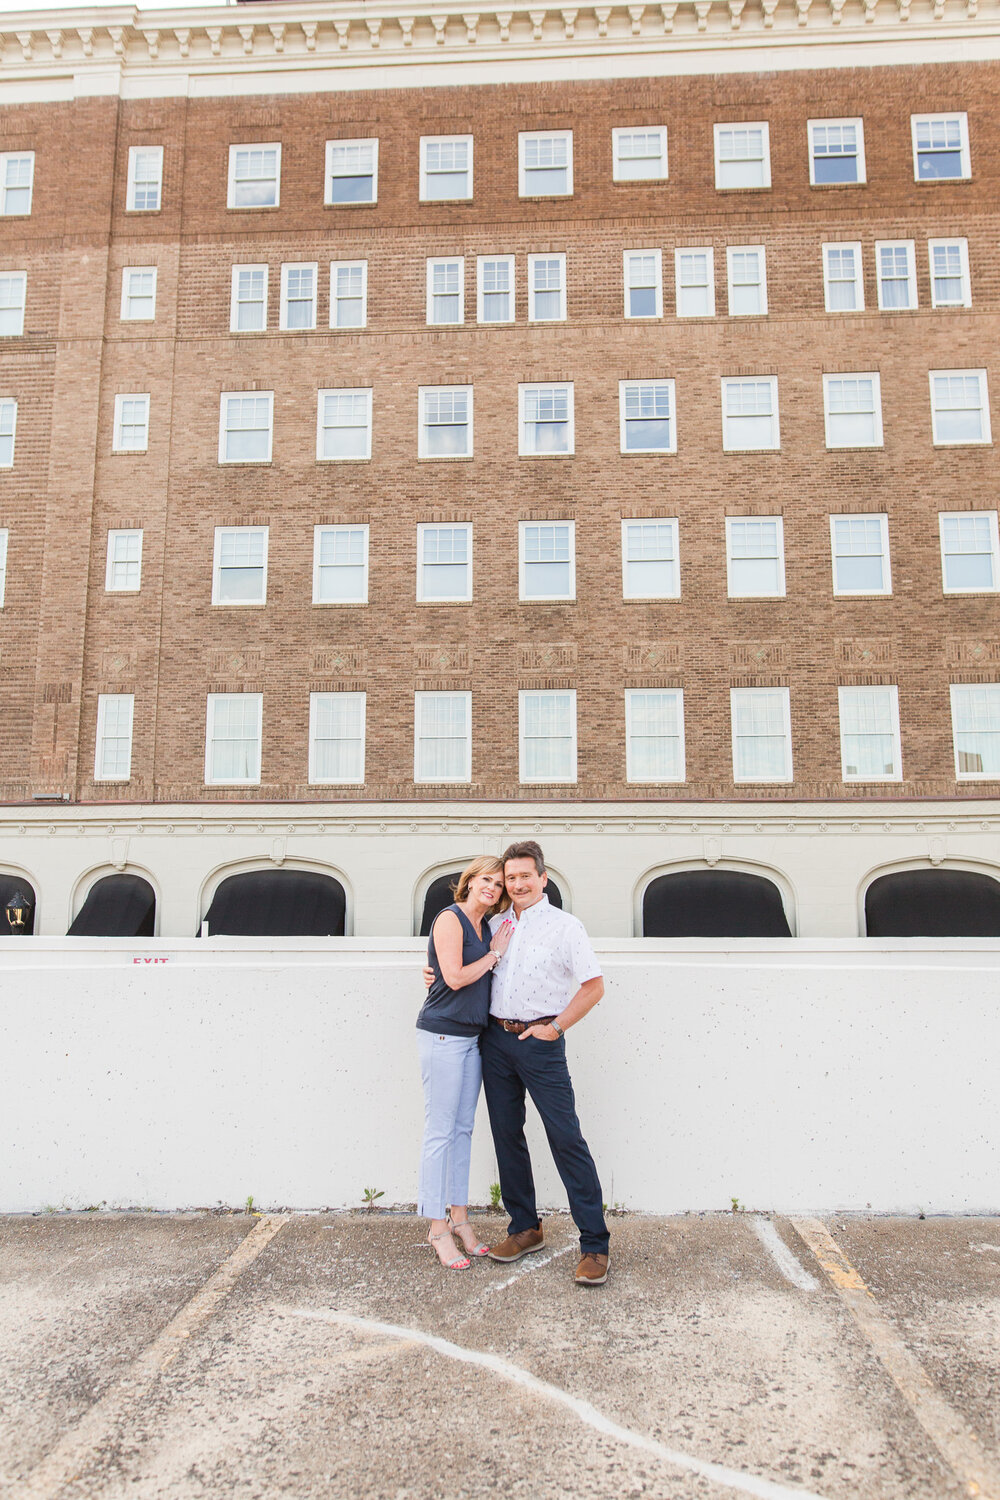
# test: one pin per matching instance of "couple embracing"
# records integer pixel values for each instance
(508, 975)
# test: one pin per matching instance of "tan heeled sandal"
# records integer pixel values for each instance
(462, 1264)
(478, 1249)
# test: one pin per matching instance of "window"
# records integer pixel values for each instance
(843, 287)
(747, 274)
(445, 421)
(749, 415)
(650, 568)
(896, 265)
(970, 553)
(755, 557)
(762, 734)
(298, 296)
(975, 723)
(340, 565)
(548, 736)
(640, 155)
(8, 425)
(232, 739)
(545, 164)
(548, 560)
(254, 176)
(860, 550)
(445, 167)
(131, 433)
(869, 734)
(950, 284)
(646, 416)
(351, 171)
(442, 736)
(742, 156)
(546, 288)
(836, 152)
(852, 407)
(13, 295)
(960, 410)
(695, 277)
(4, 538)
(17, 175)
(546, 419)
(239, 572)
(495, 289)
(446, 290)
(348, 294)
(123, 574)
(940, 147)
(344, 424)
(245, 427)
(113, 753)
(139, 293)
(654, 735)
(337, 738)
(145, 179)
(444, 563)
(643, 284)
(248, 299)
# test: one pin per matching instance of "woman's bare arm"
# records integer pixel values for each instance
(447, 932)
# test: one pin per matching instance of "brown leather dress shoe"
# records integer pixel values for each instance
(516, 1245)
(592, 1270)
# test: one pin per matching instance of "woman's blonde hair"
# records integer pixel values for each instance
(486, 864)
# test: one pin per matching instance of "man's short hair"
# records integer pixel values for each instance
(527, 849)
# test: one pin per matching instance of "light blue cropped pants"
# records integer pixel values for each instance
(452, 1074)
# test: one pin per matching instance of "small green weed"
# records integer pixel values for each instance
(494, 1195)
(371, 1197)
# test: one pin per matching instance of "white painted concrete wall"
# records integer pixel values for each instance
(796, 1075)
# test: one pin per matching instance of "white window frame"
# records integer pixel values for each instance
(213, 699)
(992, 689)
(897, 754)
(624, 386)
(630, 772)
(616, 138)
(8, 403)
(859, 157)
(234, 299)
(422, 446)
(911, 273)
(422, 529)
(481, 263)
(533, 291)
(104, 700)
(728, 445)
(958, 515)
(234, 149)
(419, 703)
(760, 251)
(318, 565)
(445, 260)
(756, 187)
(739, 780)
(328, 173)
(963, 257)
(445, 140)
(223, 430)
(4, 545)
(674, 591)
(858, 281)
(348, 265)
(5, 157)
(868, 516)
(550, 385)
(21, 306)
(733, 521)
(343, 458)
(358, 699)
(120, 399)
(628, 256)
(984, 393)
(829, 417)
(110, 585)
(298, 265)
(522, 184)
(523, 596)
(220, 532)
(709, 253)
(127, 273)
(963, 130)
(134, 152)
(523, 695)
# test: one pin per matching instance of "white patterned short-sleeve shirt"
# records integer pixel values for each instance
(547, 960)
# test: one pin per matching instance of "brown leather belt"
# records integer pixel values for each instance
(518, 1026)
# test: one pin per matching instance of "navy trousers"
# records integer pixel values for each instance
(512, 1068)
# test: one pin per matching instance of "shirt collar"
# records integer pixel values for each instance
(535, 906)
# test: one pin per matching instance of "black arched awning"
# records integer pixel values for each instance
(117, 906)
(933, 903)
(277, 903)
(16, 885)
(439, 895)
(713, 903)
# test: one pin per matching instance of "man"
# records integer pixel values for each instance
(547, 980)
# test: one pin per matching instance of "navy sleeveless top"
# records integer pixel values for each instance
(464, 1012)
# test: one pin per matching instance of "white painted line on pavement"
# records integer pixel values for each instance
(732, 1479)
(533, 1264)
(782, 1256)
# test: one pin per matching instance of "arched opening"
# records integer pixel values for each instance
(713, 904)
(117, 906)
(439, 895)
(11, 886)
(277, 903)
(933, 903)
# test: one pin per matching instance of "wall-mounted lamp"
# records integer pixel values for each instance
(18, 911)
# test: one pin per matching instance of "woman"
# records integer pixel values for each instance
(457, 1008)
